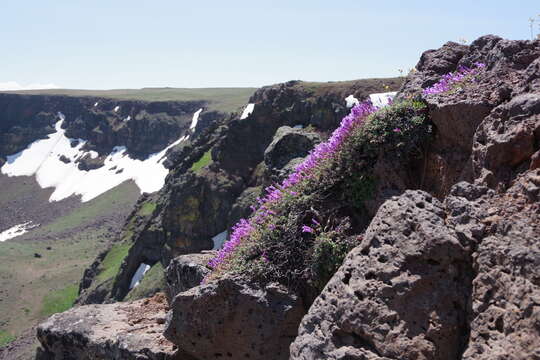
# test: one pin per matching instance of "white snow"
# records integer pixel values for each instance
(137, 277)
(42, 159)
(116, 108)
(17, 230)
(382, 99)
(351, 101)
(219, 239)
(13, 85)
(96, 104)
(195, 119)
(127, 118)
(247, 111)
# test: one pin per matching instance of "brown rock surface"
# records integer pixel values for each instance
(231, 319)
(114, 331)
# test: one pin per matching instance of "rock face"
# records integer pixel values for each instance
(402, 294)
(150, 128)
(456, 279)
(231, 319)
(115, 331)
(186, 272)
(406, 291)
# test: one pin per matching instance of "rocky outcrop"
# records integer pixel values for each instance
(196, 205)
(231, 319)
(187, 271)
(401, 294)
(114, 331)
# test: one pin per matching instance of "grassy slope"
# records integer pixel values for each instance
(221, 99)
(33, 288)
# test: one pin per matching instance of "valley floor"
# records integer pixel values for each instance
(40, 270)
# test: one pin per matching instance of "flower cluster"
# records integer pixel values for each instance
(243, 229)
(449, 80)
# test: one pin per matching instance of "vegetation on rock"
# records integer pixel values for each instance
(300, 231)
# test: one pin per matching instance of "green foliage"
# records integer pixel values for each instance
(5, 338)
(205, 160)
(329, 251)
(60, 300)
(361, 189)
(147, 208)
(112, 261)
(152, 282)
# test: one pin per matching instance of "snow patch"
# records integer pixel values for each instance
(17, 230)
(351, 101)
(127, 118)
(195, 119)
(247, 111)
(139, 274)
(116, 108)
(96, 104)
(219, 239)
(382, 99)
(42, 159)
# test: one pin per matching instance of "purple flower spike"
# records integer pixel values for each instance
(307, 229)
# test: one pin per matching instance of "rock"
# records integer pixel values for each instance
(401, 294)
(505, 315)
(187, 271)
(37, 255)
(113, 331)
(289, 143)
(232, 319)
(506, 139)
(432, 64)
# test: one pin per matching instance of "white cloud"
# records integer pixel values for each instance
(13, 85)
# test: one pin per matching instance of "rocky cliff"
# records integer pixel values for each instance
(412, 233)
(143, 127)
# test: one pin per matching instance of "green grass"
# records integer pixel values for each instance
(219, 99)
(147, 208)
(5, 338)
(113, 260)
(89, 211)
(153, 281)
(60, 300)
(205, 160)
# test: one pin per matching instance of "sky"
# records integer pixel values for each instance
(107, 44)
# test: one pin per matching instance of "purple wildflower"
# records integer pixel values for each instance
(307, 229)
(315, 222)
(397, 130)
(447, 81)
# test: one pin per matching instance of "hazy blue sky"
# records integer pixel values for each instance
(130, 44)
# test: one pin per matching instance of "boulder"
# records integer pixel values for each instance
(236, 320)
(401, 294)
(102, 332)
(187, 271)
